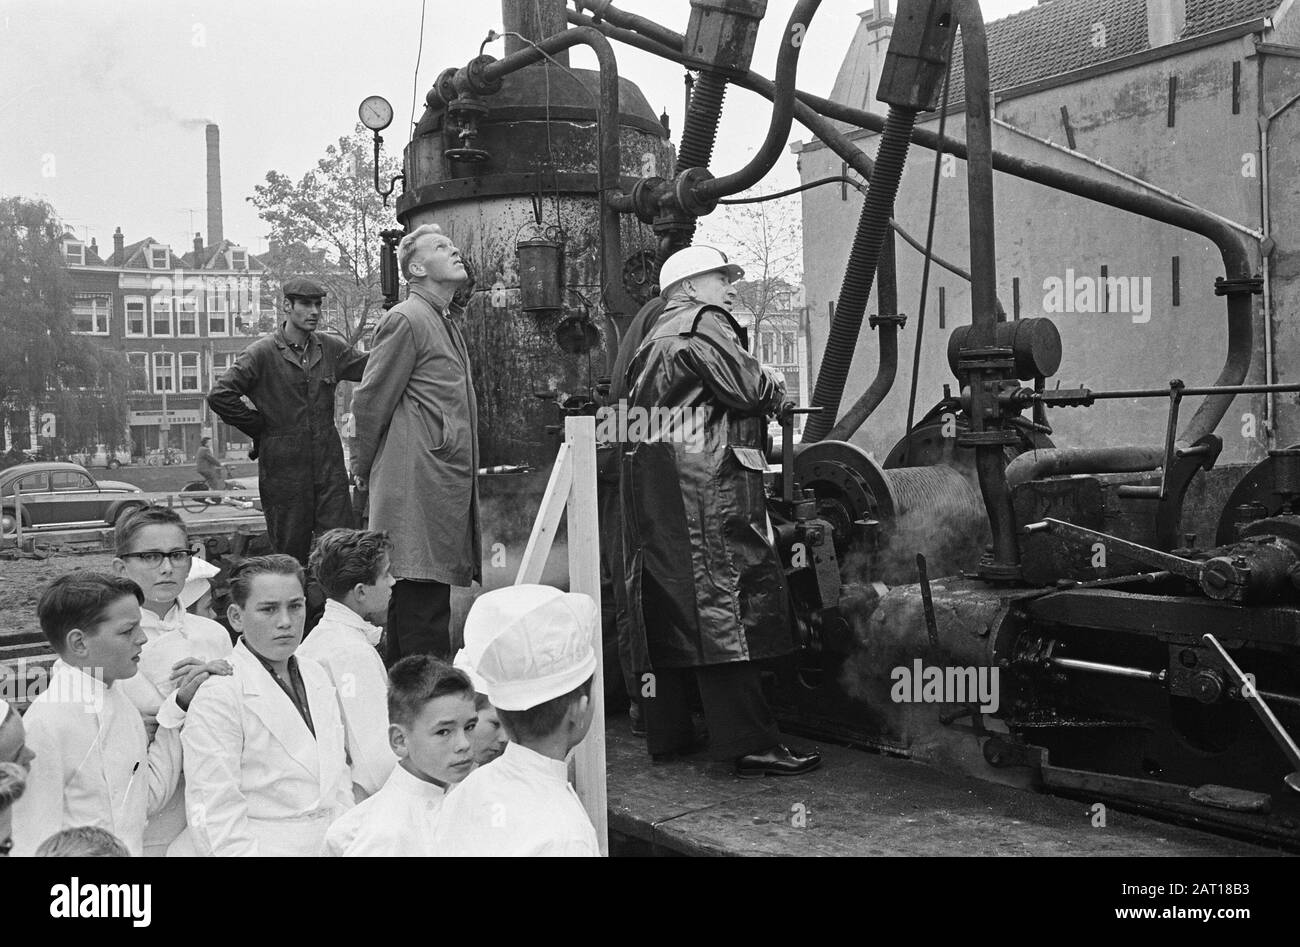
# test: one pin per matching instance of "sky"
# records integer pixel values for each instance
(103, 102)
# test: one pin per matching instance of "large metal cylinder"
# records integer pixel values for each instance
(540, 178)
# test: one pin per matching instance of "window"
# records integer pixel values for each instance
(766, 347)
(163, 372)
(221, 361)
(159, 257)
(90, 315)
(218, 315)
(187, 316)
(238, 259)
(32, 483)
(139, 365)
(189, 371)
(787, 349)
(74, 253)
(135, 325)
(162, 315)
(70, 480)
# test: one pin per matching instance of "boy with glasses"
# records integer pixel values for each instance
(153, 551)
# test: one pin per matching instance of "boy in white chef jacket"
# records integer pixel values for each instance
(538, 670)
(153, 550)
(266, 772)
(490, 737)
(94, 762)
(432, 714)
(351, 566)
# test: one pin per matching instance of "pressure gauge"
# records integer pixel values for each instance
(375, 112)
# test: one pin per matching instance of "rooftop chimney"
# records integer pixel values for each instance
(118, 243)
(215, 233)
(198, 247)
(1165, 21)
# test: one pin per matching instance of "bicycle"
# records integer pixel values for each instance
(199, 504)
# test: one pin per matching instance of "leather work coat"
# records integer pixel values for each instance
(300, 472)
(705, 586)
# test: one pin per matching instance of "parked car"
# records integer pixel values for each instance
(101, 456)
(64, 496)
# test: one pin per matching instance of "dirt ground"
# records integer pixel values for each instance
(22, 580)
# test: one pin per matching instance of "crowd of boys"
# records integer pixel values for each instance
(158, 735)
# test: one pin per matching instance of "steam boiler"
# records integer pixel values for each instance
(1102, 651)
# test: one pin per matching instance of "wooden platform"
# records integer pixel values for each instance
(861, 803)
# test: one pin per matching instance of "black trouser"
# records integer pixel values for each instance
(419, 620)
(735, 710)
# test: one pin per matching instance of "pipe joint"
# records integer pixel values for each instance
(897, 320)
(1246, 286)
(685, 192)
(473, 79)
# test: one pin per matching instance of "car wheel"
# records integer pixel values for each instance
(9, 523)
(124, 512)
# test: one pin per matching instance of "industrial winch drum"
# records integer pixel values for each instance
(932, 510)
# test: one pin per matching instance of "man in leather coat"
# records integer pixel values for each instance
(290, 377)
(707, 592)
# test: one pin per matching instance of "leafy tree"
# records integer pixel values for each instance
(45, 365)
(326, 227)
(767, 240)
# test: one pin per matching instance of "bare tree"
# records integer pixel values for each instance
(327, 225)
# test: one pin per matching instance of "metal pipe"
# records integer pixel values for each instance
(1266, 216)
(821, 127)
(1115, 670)
(607, 131)
(666, 44)
(699, 132)
(887, 369)
(1060, 461)
(990, 455)
(859, 274)
(778, 129)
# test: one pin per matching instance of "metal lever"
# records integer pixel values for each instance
(1265, 714)
(787, 449)
(1175, 565)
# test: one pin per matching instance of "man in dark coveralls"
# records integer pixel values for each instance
(290, 377)
(706, 590)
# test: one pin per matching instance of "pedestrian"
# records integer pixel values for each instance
(706, 589)
(290, 377)
(416, 447)
(208, 467)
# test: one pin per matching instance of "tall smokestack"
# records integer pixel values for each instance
(534, 20)
(215, 232)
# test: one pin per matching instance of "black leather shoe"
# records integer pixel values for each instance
(778, 761)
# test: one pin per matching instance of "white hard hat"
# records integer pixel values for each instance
(539, 647)
(694, 261)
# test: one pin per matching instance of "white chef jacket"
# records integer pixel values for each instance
(396, 821)
(520, 804)
(344, 645)
(256, 781)
(176, 635)
(94, 765)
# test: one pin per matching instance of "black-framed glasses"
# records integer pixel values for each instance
(153, 558)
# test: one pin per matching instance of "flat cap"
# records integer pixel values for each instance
(301, 286)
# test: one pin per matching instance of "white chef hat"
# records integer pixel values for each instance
(533, 642)
(199, 582)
